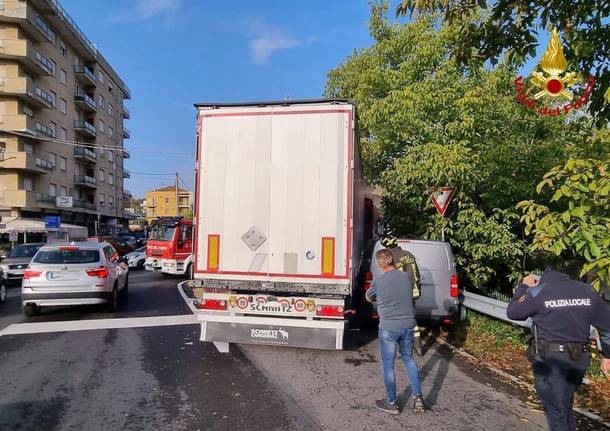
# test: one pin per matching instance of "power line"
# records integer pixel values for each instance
(154, 174)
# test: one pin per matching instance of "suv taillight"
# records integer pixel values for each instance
(101, 272)
(28, 273)
(455, 288)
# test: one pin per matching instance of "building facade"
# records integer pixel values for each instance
(62, 119)
(168, 202)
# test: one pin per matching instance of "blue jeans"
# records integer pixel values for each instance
(388, 340)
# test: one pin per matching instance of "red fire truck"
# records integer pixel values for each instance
(170, 247)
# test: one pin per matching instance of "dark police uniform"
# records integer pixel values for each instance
(562, 311)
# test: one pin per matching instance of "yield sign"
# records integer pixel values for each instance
(441, 199)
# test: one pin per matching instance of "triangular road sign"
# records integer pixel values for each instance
(441, 199)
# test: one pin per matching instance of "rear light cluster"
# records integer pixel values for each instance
(212, 304)
(28, 273)
(455, 288)
(101, 272)
(329, 311)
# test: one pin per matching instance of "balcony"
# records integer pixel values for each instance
(126, 133)
(23, 88)
(85, 75)
(20, 50)
(85, 181)
(126, 173)
(126, 195)
(42, 130)
(85, 102)
(21, 13)
(126, 153)
(46, 200)
(77, 203)
(22, 161)
(85, 154)
(20, 198)
(18, 123)
(85, 128)
(126, 113)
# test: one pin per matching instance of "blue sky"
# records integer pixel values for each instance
(173, 53)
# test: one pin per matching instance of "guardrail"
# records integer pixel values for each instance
(491, 307)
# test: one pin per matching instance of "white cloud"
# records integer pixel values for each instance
(148, 9)
(266, 40)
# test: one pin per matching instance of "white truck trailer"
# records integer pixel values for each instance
(278, 226)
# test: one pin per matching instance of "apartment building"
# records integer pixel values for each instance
(168, 201)
(62, 120)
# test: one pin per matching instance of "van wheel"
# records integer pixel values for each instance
(463, 313)
(30, 310)
(113, 302)
(2, 293)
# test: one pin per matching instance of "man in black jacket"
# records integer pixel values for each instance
(562, 311)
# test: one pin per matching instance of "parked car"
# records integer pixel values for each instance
(74, 274)
(12, 267)
(121, 246)
(439, 302)
(3, 292)
(136, 258)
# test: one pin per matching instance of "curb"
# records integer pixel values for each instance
(586, 413)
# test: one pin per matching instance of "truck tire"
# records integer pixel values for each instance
(165, 275)
(141, 264)
(3, 293)
(189, 271)
(30, 310)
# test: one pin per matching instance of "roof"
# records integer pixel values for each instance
(92, 245)
(168, 189)
(286, 102)
(19, 224)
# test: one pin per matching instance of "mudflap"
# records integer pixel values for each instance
(313, 334)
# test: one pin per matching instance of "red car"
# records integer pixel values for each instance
(121, 247)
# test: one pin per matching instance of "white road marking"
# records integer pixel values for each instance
(97, 324)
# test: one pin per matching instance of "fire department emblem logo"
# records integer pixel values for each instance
(552, 86)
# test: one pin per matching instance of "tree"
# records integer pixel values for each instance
(509, 28)
(427, 121)
(578, 223)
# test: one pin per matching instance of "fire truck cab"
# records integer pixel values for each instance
(170, 246)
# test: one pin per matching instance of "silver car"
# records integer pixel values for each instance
(440, 292)
(74, 274)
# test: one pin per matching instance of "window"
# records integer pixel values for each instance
(53, 189)
(110, 109)
(63, 76)
(62, 48)
(102, 199)
(102, 175)
(52, 158)
(63, 105)
(63, 191)
(101, 101)
(111, 179)
(110, 88)
(110, 132)
(28, 184)
(47, 64)
(63, 134)
(27, 111)
(110, 202)
(110, 156)
(63, 163)
(102, 126)
(53, 96)
(53, 127)
(28, 148)
(166, 200)
(101, 76)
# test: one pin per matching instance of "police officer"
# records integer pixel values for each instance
(562, 311)
(405, 261)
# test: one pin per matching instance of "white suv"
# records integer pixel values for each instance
(74, 274)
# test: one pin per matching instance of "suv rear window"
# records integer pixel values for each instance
(67, 256)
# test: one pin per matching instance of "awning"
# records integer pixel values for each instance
(18, 224)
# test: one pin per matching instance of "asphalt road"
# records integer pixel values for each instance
(163, 378)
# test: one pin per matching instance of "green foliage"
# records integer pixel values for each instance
(577, 220)
(508, 30)
(427, 122)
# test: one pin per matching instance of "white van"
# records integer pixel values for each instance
(440, 294)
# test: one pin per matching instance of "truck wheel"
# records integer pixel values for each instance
(189, 271)
(165, 275)
(30, 310)
(2, 293)
(113, 301)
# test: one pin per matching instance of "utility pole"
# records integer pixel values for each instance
(177, 208)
